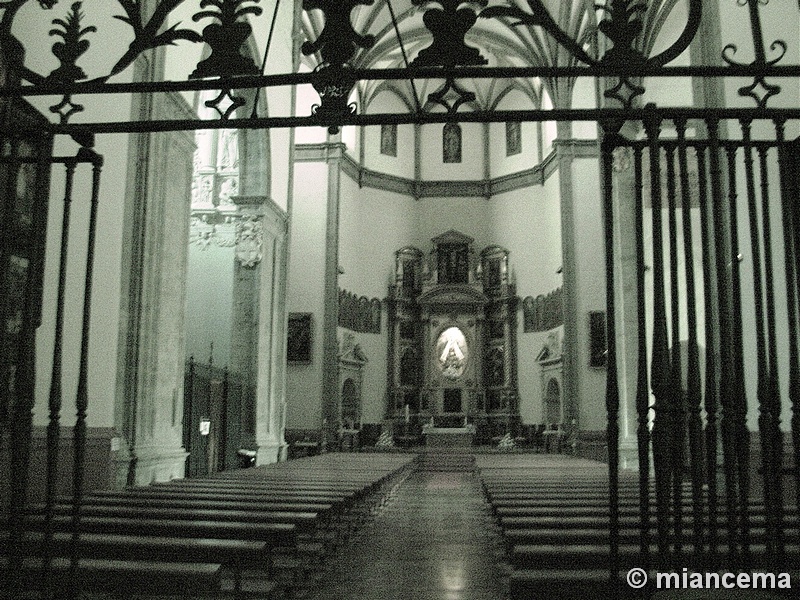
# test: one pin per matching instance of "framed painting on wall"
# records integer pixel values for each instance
(298, 342)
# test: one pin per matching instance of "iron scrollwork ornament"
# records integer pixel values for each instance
(622, 24)
(337, 44)
(760, 62)
(225, 37)
(449, 23)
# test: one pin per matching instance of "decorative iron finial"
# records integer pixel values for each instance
(337, 45)
(226, 37)
(338, 41)
(449, 26)
(71, 47)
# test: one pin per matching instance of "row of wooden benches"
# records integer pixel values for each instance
(556, 528)
(260, 532)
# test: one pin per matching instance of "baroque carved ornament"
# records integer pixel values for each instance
(249, 241)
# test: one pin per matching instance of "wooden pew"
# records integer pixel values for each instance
(236, 555)
(156, 578)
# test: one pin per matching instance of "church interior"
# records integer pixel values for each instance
(437, 299)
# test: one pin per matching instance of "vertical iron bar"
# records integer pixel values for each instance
(676, 378)
(773, 388)
(642, 383)
(741, 436)
(610, 135)
(787, 165)
(711, 395)
(764, 414)
(21, 403)
(55, 397)
(693, 385)
(723, 280)
(82, 395)
(188, 417)
(659, 366)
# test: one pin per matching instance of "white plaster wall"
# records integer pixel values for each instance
(584, 95)
(401, 165)
(280, 100)
(528, 223)
(306, 280)
(472, 164)
(467, 215)
(105, 298)
(500, 163)
(209, 291)
(306, 98)
(373, 225)
(590, 287)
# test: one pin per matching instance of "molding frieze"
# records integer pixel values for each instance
(483, 188)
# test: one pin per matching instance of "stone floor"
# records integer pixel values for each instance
(435, 540)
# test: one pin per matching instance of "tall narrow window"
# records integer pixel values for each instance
(451, 143)
(389, 139)
(513, 138)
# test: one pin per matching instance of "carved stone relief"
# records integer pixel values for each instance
(249, 241)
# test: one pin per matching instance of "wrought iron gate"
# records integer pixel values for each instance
(696, 428)
(25, 172)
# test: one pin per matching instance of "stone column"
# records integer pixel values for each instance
(330, 344)
(245, 309)
(257, 327)
(565, 157)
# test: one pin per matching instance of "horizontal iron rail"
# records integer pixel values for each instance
(282, 79)
(699, 114)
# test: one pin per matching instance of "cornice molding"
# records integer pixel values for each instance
(576, 148)
(322, 152)
(442, 188)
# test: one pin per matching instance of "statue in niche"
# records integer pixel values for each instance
(451, 143)
(375, 305)
(202, 190)
(227, 190)
(408, 368)
(229, 149)
(495, 368)
(452, 352)
(389, 139)
(513, 138)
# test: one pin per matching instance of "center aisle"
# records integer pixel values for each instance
(435, 540)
